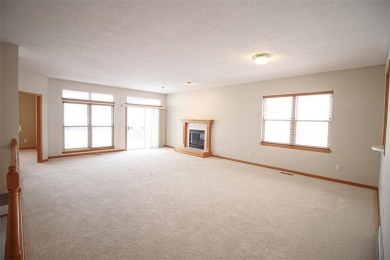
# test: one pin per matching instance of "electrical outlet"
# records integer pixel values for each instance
(249, 152)
(219, 148)
(25, 140)
(338, 167)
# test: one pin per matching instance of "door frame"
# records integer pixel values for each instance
(38, 124)
(126, 126)
(126, 105)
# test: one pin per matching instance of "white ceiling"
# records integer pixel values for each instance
(145, 45)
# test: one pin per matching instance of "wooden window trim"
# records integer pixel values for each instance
(87, 102)
(298, 147)
(146, 106)
(294, 146)
(83, 150)
(300, 94)
(385, 114)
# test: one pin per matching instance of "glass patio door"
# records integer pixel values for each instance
(142, 128)
(135, 128)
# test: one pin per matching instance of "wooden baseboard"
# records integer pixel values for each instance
(27, 148)
(168, 146)
(86, 153)
(301, 173)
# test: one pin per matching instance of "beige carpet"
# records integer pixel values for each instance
(158, 204)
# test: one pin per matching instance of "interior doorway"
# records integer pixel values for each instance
(142, 128)
(30, 122)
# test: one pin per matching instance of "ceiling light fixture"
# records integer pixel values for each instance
(262, 58)
(189, 83)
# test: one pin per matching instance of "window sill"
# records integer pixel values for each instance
(85, 150)
(297, 147)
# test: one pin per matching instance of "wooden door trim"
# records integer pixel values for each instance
(38, 105)
(39, 129)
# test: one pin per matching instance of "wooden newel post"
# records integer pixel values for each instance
(14, 243)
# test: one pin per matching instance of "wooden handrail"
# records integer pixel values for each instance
(14, 236)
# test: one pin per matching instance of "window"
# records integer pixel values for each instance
(88, 120)
(299, 121)
(143, 101)
(75, 94)
(75, 126)
(102, 97)
(72, 94)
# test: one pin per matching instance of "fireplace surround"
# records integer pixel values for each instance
(196, 137)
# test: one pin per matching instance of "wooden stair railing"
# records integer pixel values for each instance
(14, 235)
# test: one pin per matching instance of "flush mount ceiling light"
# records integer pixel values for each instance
(262, 58)
(189, 83)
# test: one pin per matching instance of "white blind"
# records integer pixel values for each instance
(298, 119)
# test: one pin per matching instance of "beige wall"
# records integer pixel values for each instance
(356, 126)
(27, 121)
(55, 114)
(9, 105)
(384, 186)
(37, 84)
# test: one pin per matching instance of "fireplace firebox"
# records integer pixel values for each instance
(196, 139)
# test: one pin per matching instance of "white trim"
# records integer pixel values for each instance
(145, 106)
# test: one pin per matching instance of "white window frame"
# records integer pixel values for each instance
(89, 103)
(146, 102)
(293, 122)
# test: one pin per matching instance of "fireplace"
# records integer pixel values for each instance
(196, 139)
(196, 134)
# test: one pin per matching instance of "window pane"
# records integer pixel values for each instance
(75, 137)
(143, 101)
(102, 97)
(101, 115)
(314, 107)
(75, 114)
(278, 108)
(312, 133)
(101, 136)
(277, 131)
(75, 94)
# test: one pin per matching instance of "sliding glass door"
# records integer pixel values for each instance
(142, 127)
